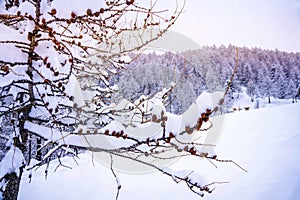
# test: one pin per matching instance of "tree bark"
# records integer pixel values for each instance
(13, 184)
(13, 181)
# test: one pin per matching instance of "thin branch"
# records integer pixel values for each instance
(116, 178)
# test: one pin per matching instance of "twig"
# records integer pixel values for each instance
(117, 180)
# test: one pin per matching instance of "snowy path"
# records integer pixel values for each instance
(266, 142)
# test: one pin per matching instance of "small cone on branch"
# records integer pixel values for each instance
(5, 68)
(221, 102)
(73, 15)
(154, 118)
(89, 12)
(53, 11)
(216, 109)
(188, 129)
(199, 124)
(186, 148)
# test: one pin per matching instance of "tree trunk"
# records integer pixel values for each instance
(13, 181)
(12, 189)
(13, 185)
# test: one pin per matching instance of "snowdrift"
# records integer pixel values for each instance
(265, 142)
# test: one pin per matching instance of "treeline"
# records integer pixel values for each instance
(264, 73)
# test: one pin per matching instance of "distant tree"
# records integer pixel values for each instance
(184, 96)
(280, 82)
(251, 90)
(212, 78)
(246, 74)
(268, 88)
(290, 90)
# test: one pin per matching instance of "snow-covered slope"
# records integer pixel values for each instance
(266, 142)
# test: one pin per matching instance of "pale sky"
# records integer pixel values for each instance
(268, 24)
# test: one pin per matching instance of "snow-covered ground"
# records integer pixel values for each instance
(266, 142)
(242, 100)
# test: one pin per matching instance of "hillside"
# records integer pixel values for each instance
(264, 141)
(262, 73)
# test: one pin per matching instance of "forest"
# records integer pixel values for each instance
(263, 73)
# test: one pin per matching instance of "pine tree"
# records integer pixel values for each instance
(251, 90)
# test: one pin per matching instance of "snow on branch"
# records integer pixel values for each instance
(55, 71)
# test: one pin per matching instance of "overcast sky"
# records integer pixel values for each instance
(268, 24)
